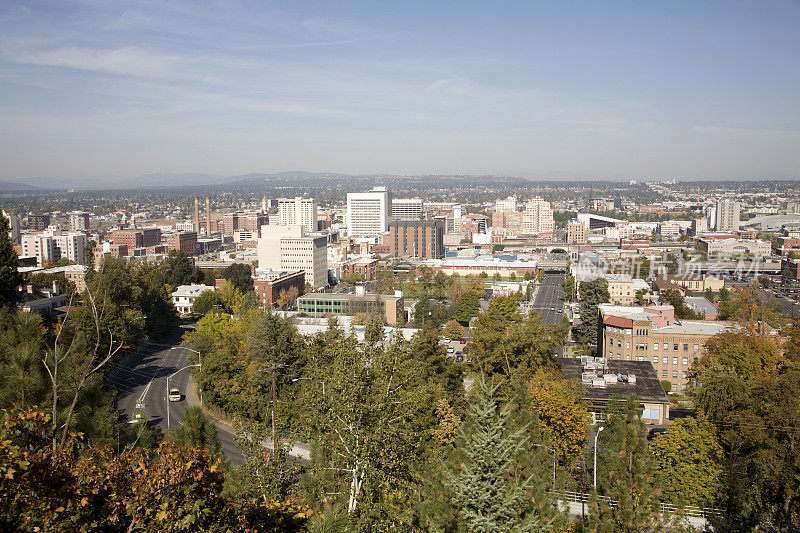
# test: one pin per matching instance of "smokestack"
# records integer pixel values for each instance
(208, 216)
(197, 215)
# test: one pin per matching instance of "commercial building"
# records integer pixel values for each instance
(271, 284)
(137, 237)
(325, 304)
(488, 264)
(727, 215)
(406, 209)
(576, 232)
(239, 221)
(54, 245)
(184, 296)
(78, 221)
(289, 248)
(36, 299)
(730, 245)
(38, 222)
(182, 241)
(298, 211)
(506, 206)
(417, 238)
(13, 227)
(622, 288)
(697, 282)
(605, 379)
(508, 220)
(538, 217)
(368, 212)
(654, 334)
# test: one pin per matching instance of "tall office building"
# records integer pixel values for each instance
(406, 209)
(506, 206)
(368, 212)
(576, 232)
(289, 248)
(49, 247)
(13, 227)
(298, 211)
(538, 217)
(417, 238)
(727, 215)
(78, 221)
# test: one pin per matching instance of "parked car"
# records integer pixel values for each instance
(654, 432)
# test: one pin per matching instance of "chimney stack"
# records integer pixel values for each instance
(208, 216)
(197, 215)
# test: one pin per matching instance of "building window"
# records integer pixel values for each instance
(655, 359)
(663, 373)
(675, 347)
(685, 361)
(696, 348)
(666, 346)
(655, 346)
(674, 360)
(627, 346)
(675, 374)
(665, 360)
(685, 347)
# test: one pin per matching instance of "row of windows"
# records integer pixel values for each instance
(664, 360)
(643, 346)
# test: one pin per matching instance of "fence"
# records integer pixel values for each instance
(687, 510)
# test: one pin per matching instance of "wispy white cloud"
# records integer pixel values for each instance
(130, 60)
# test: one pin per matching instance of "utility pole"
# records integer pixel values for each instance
(273, 369)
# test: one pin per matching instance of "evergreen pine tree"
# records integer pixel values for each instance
(10, 277)
(626, 474)
(490, 490)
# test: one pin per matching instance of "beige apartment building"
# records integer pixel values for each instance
(653, 334)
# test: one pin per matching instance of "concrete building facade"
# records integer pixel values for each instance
(368, 212)
(538, 217)
(298, 211)
(289, 248)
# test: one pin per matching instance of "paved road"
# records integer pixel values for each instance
(145, 379)
(549, 297)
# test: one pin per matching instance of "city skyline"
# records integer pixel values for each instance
(589, 90)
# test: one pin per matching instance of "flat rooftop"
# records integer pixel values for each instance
(647, 387)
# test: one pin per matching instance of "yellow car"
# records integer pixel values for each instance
(175, 395)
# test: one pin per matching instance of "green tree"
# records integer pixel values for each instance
(467, 307)
(489, 492)
(688, 462)
(10, 278)
(206, 301)
(626, 474)
(453, 330)
(593, 293)
(180, 270)
(568, 285)
(561, 413)
(196, 431)
(239, 275)
(746, 353)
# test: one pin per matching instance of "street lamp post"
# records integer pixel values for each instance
(548, 448)
(199, 359)
(171, 375)
(597, 434)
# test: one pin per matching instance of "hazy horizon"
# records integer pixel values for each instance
(603, 91)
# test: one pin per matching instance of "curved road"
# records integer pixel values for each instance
(144, 378)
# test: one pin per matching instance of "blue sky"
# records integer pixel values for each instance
(600, 89)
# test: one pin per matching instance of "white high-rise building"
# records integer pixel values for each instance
(506, 206)
(79, 221)
(368, 212)
(289, 248)
(406, 209)
(727, 215)
(13, 227)
(298, 211)
(538, 217)
(51, 246)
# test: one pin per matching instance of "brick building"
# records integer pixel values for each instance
(269, 285)
(416, 238)
(182, 241)
(136, 238)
